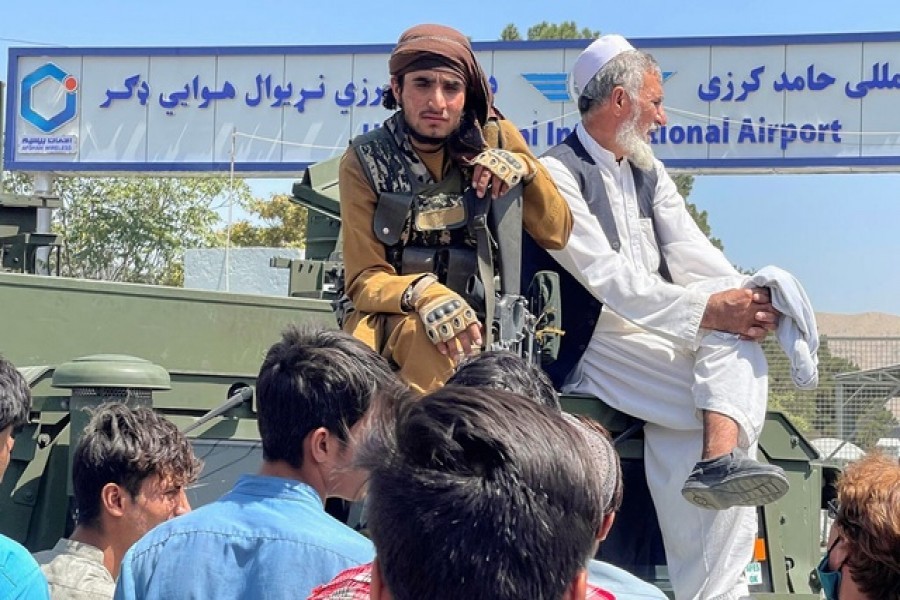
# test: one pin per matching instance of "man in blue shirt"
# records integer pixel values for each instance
(270, 537)
(20, 576)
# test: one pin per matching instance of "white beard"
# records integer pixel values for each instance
(634, 146)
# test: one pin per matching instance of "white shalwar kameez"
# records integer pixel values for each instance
(647, 358)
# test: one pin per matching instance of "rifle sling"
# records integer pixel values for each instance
(506, 222)
(501, 217)
(484, 243)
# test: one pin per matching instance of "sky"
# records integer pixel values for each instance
(839, 234)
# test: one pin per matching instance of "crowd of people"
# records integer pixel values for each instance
(474, 482)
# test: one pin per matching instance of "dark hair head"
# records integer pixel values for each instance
(15, 396)
(388, 100)
(869, 522)
(125, 445)
(479, 493)
(503, 370)
(316, 378)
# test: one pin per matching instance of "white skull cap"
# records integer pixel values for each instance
(602, 454)
(591, 60)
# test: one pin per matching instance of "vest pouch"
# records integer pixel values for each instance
(391, 211)
(439, 212)
(456, 266)
(418, 260)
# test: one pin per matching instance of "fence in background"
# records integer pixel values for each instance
(857, 405)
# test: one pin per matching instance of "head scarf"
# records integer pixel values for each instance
(437, 46)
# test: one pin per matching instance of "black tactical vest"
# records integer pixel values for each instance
(425, 228)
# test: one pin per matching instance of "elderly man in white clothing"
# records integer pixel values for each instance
(635, 249)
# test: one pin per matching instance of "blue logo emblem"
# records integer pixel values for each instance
(551, 85)
(68, 85)
(554, 86)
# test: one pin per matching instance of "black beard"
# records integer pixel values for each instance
(425, 139)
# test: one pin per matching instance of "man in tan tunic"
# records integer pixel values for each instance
(129, 472)
(407, 228)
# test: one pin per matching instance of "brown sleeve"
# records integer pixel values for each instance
(372, 283)
(545, 213)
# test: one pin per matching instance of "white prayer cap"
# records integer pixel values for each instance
(592, 59)
(604, 457)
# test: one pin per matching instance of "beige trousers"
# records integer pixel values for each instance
(402, 340)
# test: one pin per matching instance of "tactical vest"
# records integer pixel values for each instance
(425, 228)
(580, 308)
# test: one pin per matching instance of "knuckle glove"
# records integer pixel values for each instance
(505, 165)
(446, 317)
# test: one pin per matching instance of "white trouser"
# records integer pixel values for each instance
(666, 385)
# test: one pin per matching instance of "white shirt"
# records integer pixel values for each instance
(633, 294)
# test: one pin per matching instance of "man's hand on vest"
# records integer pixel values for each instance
(746, 312)
(499, 170)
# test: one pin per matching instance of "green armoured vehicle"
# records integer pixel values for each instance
(191, 353)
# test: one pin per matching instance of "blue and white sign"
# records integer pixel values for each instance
(47, 144)
(48, 100)
(786, 103)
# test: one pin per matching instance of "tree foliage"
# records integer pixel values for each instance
(685, 184)
(282, 224)
(567, 30)
(510, 33)
(133, 229)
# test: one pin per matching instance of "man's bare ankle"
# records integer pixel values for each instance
(711, 454)
(720, 434)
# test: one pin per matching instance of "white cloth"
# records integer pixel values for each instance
(797, 332)
(642, 360)
(715, 372)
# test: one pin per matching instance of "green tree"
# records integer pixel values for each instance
(283, 224)
(15, 183)
(133, 229)
(567, 30)
(510, 33)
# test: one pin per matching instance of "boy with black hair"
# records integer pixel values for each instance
(129, 473)
(480, 493)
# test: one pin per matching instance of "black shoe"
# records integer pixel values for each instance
(734, 480)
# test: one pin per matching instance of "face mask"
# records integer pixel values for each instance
(830, 580)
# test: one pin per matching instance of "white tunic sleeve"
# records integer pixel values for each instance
(634, 293)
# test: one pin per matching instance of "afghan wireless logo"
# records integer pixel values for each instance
(41, 92)
(554, 86)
